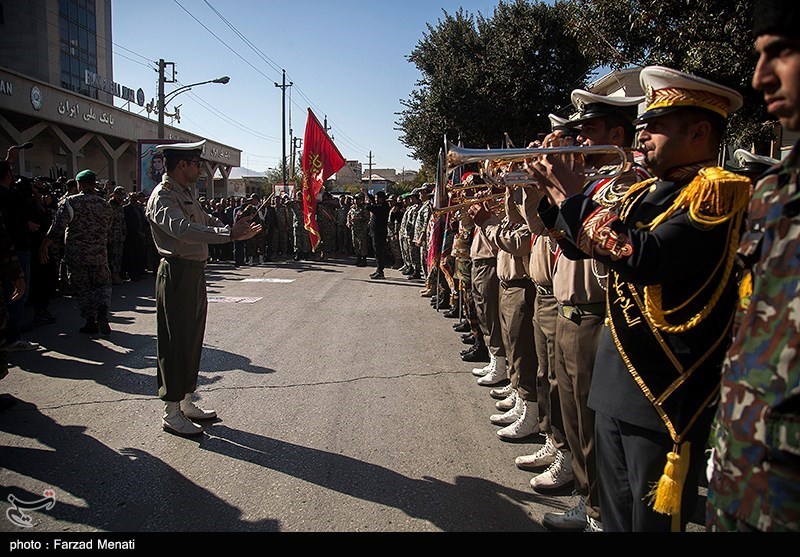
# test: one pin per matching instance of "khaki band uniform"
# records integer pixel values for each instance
(581, 296)
(581, 312)
(486, 288)
(545, 316)
(517, 300)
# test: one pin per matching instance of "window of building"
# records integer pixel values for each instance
(77, 23)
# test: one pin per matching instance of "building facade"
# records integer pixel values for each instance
(57, 91)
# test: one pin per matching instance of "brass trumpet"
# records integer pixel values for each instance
(437, 211)
(459, 156)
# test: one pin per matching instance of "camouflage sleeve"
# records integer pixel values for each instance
(60, 221)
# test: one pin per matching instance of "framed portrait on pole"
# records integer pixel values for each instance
(151, 163)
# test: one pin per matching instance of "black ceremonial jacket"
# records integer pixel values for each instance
(671, 293)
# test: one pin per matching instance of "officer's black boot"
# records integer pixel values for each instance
(90, 328)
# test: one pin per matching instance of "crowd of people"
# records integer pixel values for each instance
(71, 237)
(635, 307)
(350, 225)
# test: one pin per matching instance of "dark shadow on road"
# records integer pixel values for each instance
(126, 491)
(450, 507)
(387, 281)
(83, 358)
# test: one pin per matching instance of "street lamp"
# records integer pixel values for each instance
(164, 99)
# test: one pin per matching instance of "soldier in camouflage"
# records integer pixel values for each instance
(420, 238)
(84, 221)
(301, 239)
(358, 222)
(754, 470)
(282, 231)
(326, 221)
(411, 253)
(118, 233)
(343, 240)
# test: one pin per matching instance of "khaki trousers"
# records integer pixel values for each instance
(576, 347)
(517, 302)
(544, 330)
(486, 294)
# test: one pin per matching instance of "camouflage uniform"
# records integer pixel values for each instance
(395, 218)
(282, 234)
(344, 241)
(326, 221)
(116, 241)
(358, 221)
(84, 220)
(755, 438)
(409, 250)
(463, 272)
(421, 220)
(302, 241)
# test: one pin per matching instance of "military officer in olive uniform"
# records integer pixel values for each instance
(182, 231)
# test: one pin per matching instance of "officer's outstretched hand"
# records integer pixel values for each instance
(244, 229)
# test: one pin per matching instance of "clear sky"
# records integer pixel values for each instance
(347, 60)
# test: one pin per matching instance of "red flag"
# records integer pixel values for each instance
(321, 160)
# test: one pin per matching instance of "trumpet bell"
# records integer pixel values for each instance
(496, 159)
(467, 202)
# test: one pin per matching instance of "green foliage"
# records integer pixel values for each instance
(483, 76)
(275, 175)
(707, 38)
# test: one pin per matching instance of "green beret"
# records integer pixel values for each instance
(86, 176)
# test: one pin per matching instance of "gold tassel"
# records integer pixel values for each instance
(665, 497)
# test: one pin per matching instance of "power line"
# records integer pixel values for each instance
(203, 25)
(230, 120)
(274, 65)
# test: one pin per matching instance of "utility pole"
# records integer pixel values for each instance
(162, 66)
(326, 128)
(369, 178)
(297, 142)
(291, 140)
(283, 87)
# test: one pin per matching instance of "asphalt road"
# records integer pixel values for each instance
(343, 407)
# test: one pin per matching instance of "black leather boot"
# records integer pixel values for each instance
(480, 354)
(452, 313)
(90, 328)
(102, 320)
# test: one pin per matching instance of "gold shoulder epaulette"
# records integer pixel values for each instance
(713, 197)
